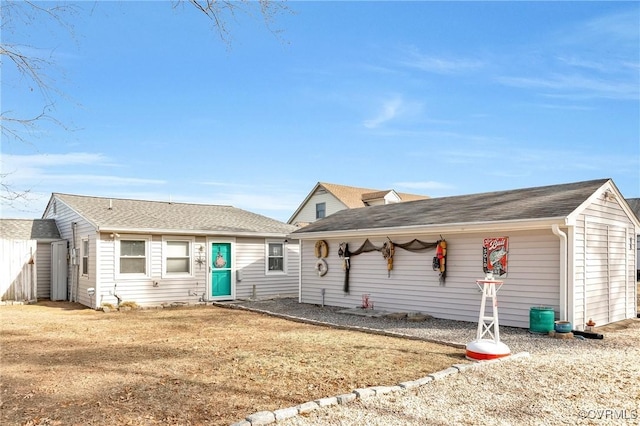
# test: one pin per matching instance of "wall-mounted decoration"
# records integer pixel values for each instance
(220, 261)
(200, 256)
(321, 249)
(494, 256)
(345, 255)
(388, 251)
(440, 260)
(321, 267)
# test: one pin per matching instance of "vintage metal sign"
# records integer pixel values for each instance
(494, 256)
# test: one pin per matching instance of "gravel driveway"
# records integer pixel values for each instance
(569, 382)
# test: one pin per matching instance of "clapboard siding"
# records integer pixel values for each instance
(154, 289)
(65, 217)
(412, 285)
(605, 265)
(251, 266)
(308, 212)
(249, 261)
(43, 265)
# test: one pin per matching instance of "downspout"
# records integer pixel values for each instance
(563, 270)
(300, 242)
(75, 282)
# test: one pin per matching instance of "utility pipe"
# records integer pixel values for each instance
(563, 270)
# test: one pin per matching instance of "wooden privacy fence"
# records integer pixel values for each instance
(18, 272)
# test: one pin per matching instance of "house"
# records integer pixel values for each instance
(154, 253)
(328, 198)
(567, 247)
(634, 203)
(25, 253)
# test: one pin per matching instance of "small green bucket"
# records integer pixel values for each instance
(541, 319)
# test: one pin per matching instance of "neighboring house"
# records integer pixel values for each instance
(569, 247)
(155, 253)
(328, 198)
(634, 203)
(25, 253)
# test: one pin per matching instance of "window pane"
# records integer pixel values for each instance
(132, 265)
(178, 265)
(177, 248)
(131, 248)
(85, 247)
(275, 249)
(276, 264)
(85, 265)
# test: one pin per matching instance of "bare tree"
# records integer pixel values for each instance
(34, 65)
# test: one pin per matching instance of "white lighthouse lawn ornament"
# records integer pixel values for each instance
(482, 348)
(494, 262)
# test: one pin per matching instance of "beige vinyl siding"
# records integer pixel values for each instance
(308, 212)
(155, 289)
(250, 265)
(77, 285)
(43, 265)
(413, 286)
(605, 265)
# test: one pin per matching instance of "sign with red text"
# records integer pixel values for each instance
(494, 256)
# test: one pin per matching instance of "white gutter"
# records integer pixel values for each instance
(197, 232)
(563, 270)
(452, 228)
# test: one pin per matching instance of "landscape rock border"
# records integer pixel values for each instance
(269, 417)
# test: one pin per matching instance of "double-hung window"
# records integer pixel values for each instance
(133, 257)
(85, 257)
(177, 258)
(276, 259)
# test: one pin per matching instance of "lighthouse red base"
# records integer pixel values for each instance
(483, 350)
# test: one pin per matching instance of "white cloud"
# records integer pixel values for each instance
(22, 171)
(390, 109)
(577, 86)
(439, 64)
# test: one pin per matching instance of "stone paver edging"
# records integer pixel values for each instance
(269, 417)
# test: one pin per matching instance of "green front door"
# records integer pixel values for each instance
(220, 269)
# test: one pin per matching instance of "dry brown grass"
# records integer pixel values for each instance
(62, 364)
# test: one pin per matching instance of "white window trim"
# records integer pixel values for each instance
(325, 210)
(266, 257)
(191, 242)
(83, 255)
(147, 252)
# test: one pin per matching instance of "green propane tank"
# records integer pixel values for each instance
(541, 319)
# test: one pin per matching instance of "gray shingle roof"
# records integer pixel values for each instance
(29, 229)
(634, 203)
(544, 202)
(116, 213)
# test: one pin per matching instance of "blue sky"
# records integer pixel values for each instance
(434, 98)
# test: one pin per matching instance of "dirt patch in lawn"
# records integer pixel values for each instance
(62, 364)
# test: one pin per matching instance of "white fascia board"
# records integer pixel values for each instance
(451, 228)
(192, 232)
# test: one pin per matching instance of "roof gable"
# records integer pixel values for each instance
(554, 201)
(29, 229)
(138, 215)
(353, 197)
